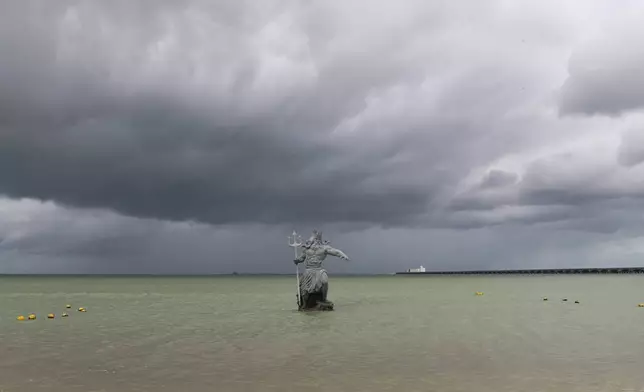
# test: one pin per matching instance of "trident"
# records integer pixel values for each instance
(296, 241)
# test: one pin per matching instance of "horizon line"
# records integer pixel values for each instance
(184, 274)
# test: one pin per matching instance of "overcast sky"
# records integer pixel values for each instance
(193, 136)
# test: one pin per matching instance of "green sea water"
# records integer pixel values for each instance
(388, 333)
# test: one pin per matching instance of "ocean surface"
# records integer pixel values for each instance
(388, 333)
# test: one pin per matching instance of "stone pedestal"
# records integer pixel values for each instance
(314, 302)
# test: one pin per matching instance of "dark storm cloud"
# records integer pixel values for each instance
(498, 178)
(456, 126)
(578, 189)
(37, 240)
(604, 91)
(631, 148)
(193, 112)
(69, 135)
(219, 176)
(606, 76)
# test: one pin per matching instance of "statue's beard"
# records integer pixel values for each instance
(314, 243)
(310, 244)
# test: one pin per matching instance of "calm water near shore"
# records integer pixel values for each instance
(389, 333)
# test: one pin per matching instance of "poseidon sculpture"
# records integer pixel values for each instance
(313, 283)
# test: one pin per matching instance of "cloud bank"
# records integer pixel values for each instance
(141, 124)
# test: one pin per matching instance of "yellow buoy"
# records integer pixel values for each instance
(64, 315)
(545, 298)
(479, 293)
(20, 318)
(50, 316)
(82, 310)
(640, 305)
(32, 317)
(68, 306)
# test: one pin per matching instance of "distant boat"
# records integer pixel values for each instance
(419, 269)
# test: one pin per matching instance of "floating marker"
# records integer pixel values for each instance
(68, 306)
(545, 298)
(50, 316)
(32, 317)
(82, 310)
(20, 318)
(64, 315)
(479, 293)
(640, 305)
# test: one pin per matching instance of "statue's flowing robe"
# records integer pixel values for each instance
(314, 276)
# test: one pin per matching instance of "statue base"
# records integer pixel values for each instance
(314, 302)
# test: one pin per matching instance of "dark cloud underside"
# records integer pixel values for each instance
(450, 123)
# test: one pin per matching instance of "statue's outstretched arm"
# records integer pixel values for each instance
(335, 252)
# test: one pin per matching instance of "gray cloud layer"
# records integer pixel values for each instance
(350, 115)
(606, 75)
(143, 123)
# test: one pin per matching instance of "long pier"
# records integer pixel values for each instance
(550, 271)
